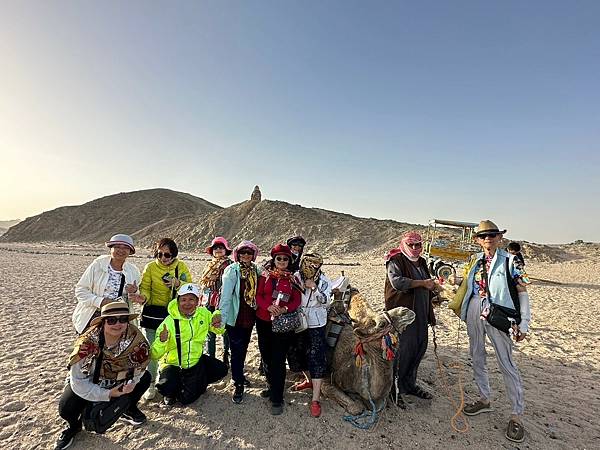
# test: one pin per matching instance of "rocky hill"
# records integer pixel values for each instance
(193, 222)
(268, 222)
(135, 213)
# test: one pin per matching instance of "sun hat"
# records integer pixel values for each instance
(219, 240)
(487, 226)
(121, 239)
(189, 288)
(296, 240)
(281, 249)
(245, 244)
(114, 309)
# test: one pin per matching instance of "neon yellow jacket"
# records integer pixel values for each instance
(153, 287)
(193, 334)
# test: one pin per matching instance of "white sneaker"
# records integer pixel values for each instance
(150, 393)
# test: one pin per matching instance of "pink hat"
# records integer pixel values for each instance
(218, 240)
(245, 244)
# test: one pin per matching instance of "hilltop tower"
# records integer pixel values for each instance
(256, 195)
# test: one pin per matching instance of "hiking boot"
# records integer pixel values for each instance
(66, 438)
(238, 394)
(478, 407)
(515, 431)
(302, 385)
(315, 408)
(134, 416)
(276, 409)
(150, 393)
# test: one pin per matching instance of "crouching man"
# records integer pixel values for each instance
(184, 371)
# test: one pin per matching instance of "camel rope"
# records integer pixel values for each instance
(458, 422)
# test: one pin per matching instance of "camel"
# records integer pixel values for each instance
(373, 379)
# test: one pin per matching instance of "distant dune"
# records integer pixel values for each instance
(6, 224)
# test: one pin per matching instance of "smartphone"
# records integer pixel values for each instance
(166, 277)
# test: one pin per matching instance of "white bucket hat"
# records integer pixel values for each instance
(121, 239)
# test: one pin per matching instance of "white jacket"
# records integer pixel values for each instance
(89, 290)
(316, 303)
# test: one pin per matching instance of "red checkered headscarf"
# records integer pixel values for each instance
(410, 237)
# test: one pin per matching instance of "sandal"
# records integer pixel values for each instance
(418, 391)
(515, 431)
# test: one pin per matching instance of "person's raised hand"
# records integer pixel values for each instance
(216, 321)
(164, 334)
(137, 298)
(131, 288)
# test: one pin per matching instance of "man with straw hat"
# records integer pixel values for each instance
(496, 305)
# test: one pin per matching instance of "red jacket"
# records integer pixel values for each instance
(264, 295)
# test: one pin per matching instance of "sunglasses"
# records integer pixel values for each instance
(113, 320)
(166, 255)
(218, 247)
(488, 235)
(282, 258)
(245, 252)
(417, 245)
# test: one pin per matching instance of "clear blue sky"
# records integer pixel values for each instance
(405, 110)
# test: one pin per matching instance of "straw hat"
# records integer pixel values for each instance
(487, 226)
(114, 309)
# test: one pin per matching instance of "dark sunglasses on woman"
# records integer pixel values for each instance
(114, 320)
(166, 255)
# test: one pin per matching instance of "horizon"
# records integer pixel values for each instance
(461, 111)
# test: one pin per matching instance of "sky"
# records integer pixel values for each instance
(461, 110)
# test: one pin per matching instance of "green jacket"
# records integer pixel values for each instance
(193, 334)
(153, 287)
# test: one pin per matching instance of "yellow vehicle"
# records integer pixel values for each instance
(444, 250)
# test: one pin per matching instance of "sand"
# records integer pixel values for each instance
(559, 364)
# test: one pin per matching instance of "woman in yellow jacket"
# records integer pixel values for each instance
(160, 280)
(184, 371)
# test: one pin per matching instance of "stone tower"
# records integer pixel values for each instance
(256, 195)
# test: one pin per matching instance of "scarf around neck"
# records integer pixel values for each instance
(249, 275)
(213, 271)
(130, 355)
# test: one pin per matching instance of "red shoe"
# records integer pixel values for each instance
(300, 386)
(315, 409)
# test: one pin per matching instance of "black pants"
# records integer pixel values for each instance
(71, 405)
(273, 349)
(186, 385)
(412, 345)
(239, 339)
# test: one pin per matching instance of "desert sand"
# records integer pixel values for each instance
(559, 364)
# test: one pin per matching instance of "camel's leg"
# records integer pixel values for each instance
(351, 406)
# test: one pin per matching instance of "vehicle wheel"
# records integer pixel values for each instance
(444, 271)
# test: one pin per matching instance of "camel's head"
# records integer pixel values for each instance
(367, 322)
(401, 318)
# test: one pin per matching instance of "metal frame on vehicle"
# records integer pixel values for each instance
(444, 258)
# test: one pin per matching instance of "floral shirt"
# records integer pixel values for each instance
(480, 282)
